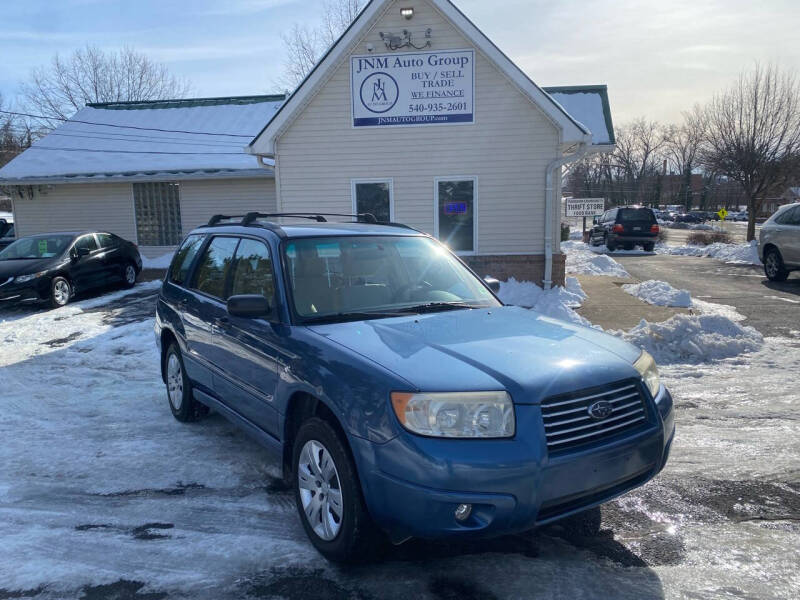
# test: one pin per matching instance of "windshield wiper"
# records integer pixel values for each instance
(437, 306)
(350, 316)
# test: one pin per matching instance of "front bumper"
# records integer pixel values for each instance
(13, 292)
(413, 485)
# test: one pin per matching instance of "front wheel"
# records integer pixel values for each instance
(328, 495)
(774, 268)
(60, 292)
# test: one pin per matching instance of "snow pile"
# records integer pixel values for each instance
(739, 254)
(582, 260)
(659, 293)
(557, 302)
(695, 339)
(162, 262)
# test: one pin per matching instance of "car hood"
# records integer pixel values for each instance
(13, 268)
(519, 350)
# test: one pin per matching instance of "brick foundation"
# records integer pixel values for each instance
(528, 267)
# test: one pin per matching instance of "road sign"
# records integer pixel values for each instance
(584, 207)
(722, 213)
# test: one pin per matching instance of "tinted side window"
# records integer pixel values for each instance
(107, 240)
(215, 263)
(87, 241)
(790, 217)
(184, 257)
(252, 273)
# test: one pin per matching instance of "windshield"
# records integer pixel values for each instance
(355, 276)
(38, 246)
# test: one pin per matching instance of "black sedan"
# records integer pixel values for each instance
(55, 266)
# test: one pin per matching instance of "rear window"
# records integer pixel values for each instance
(630, 215)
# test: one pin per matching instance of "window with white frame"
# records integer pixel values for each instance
(158, 213)
(456, 213)
(374, 196)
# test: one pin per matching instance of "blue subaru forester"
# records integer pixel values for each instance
(403, 398)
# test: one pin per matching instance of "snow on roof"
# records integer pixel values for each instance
(589, 105)
(191, 138)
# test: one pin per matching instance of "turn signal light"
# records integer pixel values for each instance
(618, 229)
(654, 229)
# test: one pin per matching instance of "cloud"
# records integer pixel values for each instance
(244, 7)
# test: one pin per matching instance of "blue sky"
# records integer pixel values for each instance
(656, 57)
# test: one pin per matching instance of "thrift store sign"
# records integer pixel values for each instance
(424, 88)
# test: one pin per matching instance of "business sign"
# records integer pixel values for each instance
(584, 207)
(423, 88)
(455, 208)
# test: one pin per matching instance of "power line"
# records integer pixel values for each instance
(124, 137)
(20, 114)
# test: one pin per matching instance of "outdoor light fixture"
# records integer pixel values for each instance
(407, 12)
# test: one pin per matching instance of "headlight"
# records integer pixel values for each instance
(649, 371)
(24, 278)
(456, 414)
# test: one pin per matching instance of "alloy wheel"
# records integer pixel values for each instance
(772, 264)
(130, 275)
(320, 490)
(61, 291)
(175, 382)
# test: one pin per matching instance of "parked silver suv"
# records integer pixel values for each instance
(779, 242)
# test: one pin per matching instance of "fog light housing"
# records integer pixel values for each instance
(463, 511)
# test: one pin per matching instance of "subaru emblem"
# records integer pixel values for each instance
(600, 410)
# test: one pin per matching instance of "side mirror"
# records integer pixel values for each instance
(493, 284)
(249, 306)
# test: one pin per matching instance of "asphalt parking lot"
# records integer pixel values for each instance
(771, 307)
(103, 496)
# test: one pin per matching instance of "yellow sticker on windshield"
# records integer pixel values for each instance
(42, 246)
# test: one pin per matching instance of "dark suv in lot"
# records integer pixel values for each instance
(403, 398)
(625, 226)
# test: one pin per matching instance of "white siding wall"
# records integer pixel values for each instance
(202, 199)
(74, 207)
(507, 149)
(110, 207)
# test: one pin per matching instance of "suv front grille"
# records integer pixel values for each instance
(567, 422)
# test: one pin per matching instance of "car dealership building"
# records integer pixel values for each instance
(414, 115)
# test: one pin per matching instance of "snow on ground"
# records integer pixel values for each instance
(659, 293)
(100, 486)
(582, 260)
(694, 338)
(557, 302)
(160, 262)
(741, 254)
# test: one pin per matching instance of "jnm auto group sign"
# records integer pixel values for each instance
(426, 88)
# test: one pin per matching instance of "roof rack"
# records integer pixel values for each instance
(251, 217)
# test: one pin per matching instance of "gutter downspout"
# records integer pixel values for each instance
(549, 192)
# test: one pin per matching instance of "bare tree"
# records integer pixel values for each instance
(15, 135)
(306, 45)
(93, 75)
(636, 159)
(752, 134)
(681, 148)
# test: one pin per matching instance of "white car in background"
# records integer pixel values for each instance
(779, 243)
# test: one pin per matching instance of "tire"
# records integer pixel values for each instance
(649, 246)
(129, 275)
(179, 390)
(610, 245)
(321, 466)
(774, 268)
(60, 291)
